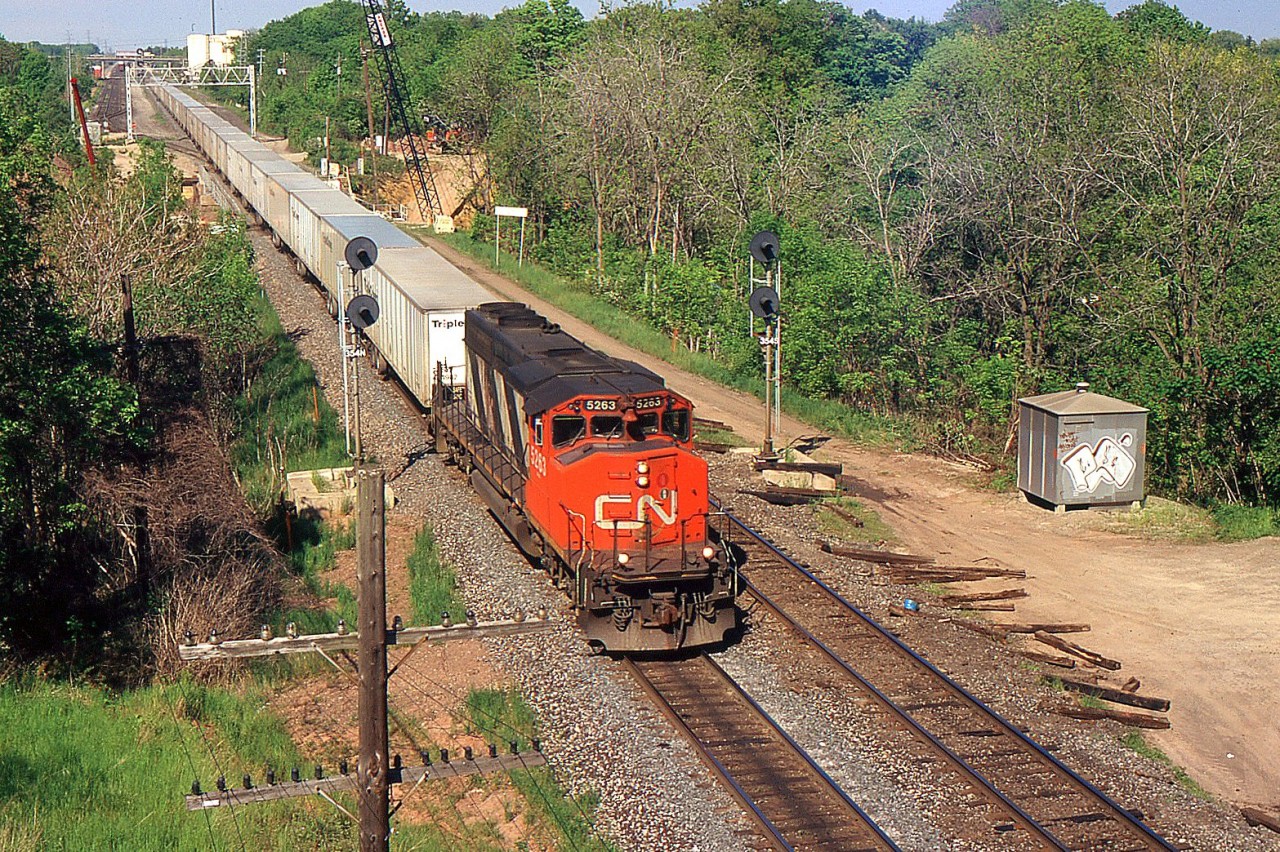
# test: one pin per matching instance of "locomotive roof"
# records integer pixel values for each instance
(544, 364)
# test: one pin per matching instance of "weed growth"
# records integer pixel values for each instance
(1137, 743)
(433, 585)
(502, 715)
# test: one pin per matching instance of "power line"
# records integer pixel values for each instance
(195, 773)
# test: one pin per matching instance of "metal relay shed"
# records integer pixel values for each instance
(1077, 448)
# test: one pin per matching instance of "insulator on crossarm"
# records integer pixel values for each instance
(445, 619)
(467, 754)
(264, 633)
(271, 776)
(195, 787)
(215, 638)
(319, 772)
(397, 624)
(444, 755)
(543, 615)
(471, 618)
(344, 768)
(246, 782)
(396, 762)
(189, 638)
(342, 627)
(292, 630)
(295, 775)
(536, 743)
(425, 754)
(519, 617)
(493, 750)
(515, 748)
(221, 784)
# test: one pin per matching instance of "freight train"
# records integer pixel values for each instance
(585, 460)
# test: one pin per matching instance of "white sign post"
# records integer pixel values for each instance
(520, 213)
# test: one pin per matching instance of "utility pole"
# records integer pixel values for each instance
(261, 53)
(327, 168)
(213, 18)
(70, 102)
(371, 582)
(375, 772)
(133, 373)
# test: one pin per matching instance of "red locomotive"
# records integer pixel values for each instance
(586, 460)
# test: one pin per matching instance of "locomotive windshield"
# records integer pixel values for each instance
(675, 422)
(606, 426)
(644, 425)
(567, 429)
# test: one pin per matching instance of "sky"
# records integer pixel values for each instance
(125, 24)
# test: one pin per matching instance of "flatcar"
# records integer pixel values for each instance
(587, 461)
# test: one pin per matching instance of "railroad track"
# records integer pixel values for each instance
(790, 798)
(110, 109)
(1014, 789)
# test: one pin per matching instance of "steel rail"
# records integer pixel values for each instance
(776, 836)
(1120, 812)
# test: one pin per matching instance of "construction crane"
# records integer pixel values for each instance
(393, 86)
(84, 125)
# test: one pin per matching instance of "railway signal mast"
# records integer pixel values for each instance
(393, 86)
(764, 303)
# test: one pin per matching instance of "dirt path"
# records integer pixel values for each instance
(1198, 624)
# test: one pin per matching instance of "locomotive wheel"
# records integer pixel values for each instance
(379, 362)
(331, 304)
(300, 267)
(275, 240)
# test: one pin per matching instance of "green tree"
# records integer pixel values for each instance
(60, 411)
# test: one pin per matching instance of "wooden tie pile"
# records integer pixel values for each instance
(907, 569)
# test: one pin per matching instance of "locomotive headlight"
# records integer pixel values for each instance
(642, 481)
(623, 558)
(642, 467)
(708, 553)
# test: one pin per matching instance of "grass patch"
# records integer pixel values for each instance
(833, 417)
(1245, 523)
(89, 768)
(1093, 702)
(433, 585)
(86, 768)
(1161, 520)
(850, 520)
(1134, 741)
(726, 437)
(502, 715)
(282, 421)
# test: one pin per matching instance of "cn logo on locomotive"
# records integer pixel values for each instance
(646, 501)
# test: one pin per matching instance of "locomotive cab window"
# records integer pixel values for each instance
(675, 422)
(643, 426)
(606, 426)
(567, 429)
(537, 430)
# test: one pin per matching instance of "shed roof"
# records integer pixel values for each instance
(1081, 401)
